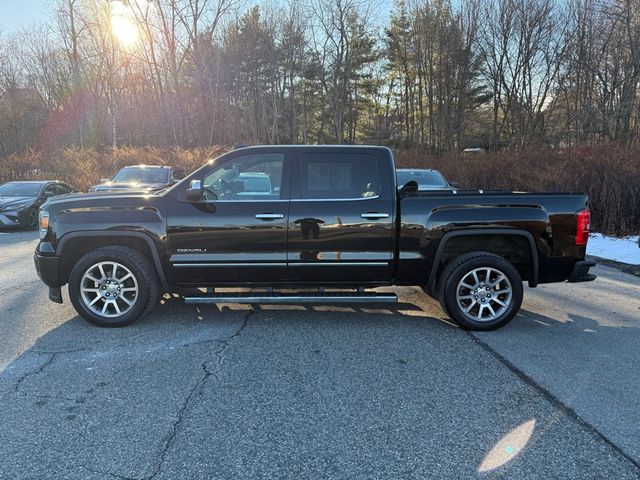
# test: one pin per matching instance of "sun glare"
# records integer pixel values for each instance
(508, 447)
(124, 26)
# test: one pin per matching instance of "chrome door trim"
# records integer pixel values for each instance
(339, 264)
(282, 264)
(197, 265)
(354, 199)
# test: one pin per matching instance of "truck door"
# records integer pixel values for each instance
(341, 217)
(237, 233)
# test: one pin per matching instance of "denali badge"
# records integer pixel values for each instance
(192, 250)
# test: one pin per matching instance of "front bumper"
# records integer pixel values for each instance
(10, 219)
(580, 272)
(48, 269)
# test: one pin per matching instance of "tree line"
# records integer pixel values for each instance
(436, 74)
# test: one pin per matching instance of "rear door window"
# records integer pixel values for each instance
(339, 176)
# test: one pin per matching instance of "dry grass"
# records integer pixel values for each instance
(610, 174)
(83, 168)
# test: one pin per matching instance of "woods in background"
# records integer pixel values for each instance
(483, 73)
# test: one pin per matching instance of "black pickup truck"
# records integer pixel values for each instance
(328, 222)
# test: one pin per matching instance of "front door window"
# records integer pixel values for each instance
(239, 233)
(254, 177)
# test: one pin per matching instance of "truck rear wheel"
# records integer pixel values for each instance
(113, 286)
(480, 291)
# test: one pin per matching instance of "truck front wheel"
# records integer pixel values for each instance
(480, 291)
(113, 286)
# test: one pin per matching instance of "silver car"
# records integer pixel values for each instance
(426, 179)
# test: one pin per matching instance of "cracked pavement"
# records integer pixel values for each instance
(320, 392)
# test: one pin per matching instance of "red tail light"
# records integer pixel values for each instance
(583, 224)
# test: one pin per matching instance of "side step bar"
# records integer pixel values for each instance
(273, 298)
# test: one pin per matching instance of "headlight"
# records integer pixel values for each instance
(12, 207)
(44, 224)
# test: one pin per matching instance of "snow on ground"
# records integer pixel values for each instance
(625, 249)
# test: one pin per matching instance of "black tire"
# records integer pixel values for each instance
(462, 267)
(144, 276)
(32, 221)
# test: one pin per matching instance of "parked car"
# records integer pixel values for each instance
(338, 221)
(141, 177)
(254, 183)
(19, 201)
(472, 152)
(426, 179)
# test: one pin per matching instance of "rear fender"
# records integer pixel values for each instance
(535, 267)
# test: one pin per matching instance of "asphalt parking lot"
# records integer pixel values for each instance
(346, 393)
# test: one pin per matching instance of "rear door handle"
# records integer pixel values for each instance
(269, 216)
(374, 215)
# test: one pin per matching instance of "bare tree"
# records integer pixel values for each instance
(440, 75)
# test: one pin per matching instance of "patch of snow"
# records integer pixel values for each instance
(624, 249)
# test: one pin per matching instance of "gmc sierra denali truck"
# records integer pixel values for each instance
(327, 222)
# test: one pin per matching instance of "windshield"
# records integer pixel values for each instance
(255, 183)
(142, 175)
(424, 178)
(20, 189)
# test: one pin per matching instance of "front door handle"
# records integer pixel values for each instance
(374, 215)
(269, 216)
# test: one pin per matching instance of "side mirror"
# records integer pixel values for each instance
(455, 185)
(194, 192)
(104, 180)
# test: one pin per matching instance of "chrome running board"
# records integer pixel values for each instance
(272, 298)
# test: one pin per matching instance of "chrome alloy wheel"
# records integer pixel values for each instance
(109, 289)
(484, 294)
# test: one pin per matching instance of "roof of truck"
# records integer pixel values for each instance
(383, 147)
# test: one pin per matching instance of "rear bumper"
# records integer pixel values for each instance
(580, 272)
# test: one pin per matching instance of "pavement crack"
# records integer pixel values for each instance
(110, 474)
(35, 371)
(54, 352)
(18, 287)
(195, 393)
(91, 346)
(554, 400)
(225, 343)
(48, 397)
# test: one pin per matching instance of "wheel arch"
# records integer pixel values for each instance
(74, 245)
(502, 240)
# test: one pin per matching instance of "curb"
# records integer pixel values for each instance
(624, 267)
